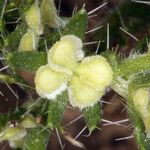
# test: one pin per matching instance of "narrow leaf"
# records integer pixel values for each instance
(77, 24)
(56, 110)
(27, 61)
(92, 116)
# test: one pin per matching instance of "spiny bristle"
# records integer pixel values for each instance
(97, 8)
(131, 35)
(93, 30)
(80, 132)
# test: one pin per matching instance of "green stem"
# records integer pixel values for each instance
(131, 66)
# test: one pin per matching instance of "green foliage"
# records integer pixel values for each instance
(139, 81)
(77, 24)
(28, 61)
(56, 110)
(92, 116)
(36, 139)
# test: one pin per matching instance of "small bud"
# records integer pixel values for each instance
(50, 83)
(13, 133)
(141, 100)
(28, 121)
(33, 18)
(49, 14)
(65, 54)
(29, 41)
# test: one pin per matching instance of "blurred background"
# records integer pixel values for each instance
(134, 18)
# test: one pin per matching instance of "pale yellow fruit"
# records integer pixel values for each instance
(33, 18)
(82, 95)
(95, 71)
(49, 14)
(50, 83)
(65, 54)
(29, 41)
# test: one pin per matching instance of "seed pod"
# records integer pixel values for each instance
(49, 83)
(33, 18)
(65, 54)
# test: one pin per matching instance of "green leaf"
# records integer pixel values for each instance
(56, 110)
(36, 139)
(27, 61)
(142, 141)
(77, 24)
(92, 116)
